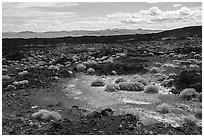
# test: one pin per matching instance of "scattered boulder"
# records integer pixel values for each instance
(11, 87)
(131, 86)
(151, 89)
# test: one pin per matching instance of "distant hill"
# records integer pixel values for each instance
(10, 44)
(76, 33)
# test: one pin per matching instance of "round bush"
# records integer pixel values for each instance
(151, 89)
(200, 97)
(112, 87)
(188, 120)
(187, 93)
(5, 77)
(120, 79)
(91, 71)
(138, 78)
(81, 68)
(198, 114)
(163, 108)
(98, 82)
(46, 115)
(131, 86)
(154, 70)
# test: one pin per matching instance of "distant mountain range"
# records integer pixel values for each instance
(76, 33)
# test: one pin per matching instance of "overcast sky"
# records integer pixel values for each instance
(93, 16)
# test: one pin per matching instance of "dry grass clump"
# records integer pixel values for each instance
(44, 114)
(154, 70)
(98, 82)
(81, 68)
(198, 114)
(112, 87)
(91, 71)
(187, 93)
(138, 78)
(151, 89)
(131, 86)
(163, 108)
(188, 120)
(120, 79)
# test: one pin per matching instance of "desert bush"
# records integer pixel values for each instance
(23, 82)
(81, 68)
(91, 71)
(157, 64)
(138, 78)
(188, 79)
(112, 87)
(46, 115)
(5, 77)
(187, 93)
(52, 67)
(131, 86)
(98, 82)
(198, 114)
(4, 71)
(200, 97)
(21, 74)
(154, 70)
(188, 120)
(120, 79)
(151, 89)
(163, 108)
(167, 82)
(10, 87)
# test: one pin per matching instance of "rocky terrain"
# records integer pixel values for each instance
(144, 84)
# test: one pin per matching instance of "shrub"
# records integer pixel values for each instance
(151, 89)
(46, 115)
(98, 82)
(200, 97)
(138, 78)
(163, 108)
(154, 70)
(131, 86)
(5, 77)
(187, 93)
(112, 87)
(157, 64)
(21, 74)
(81, 68)
(11, 87)
(198, 114)
(23, 82)
(188, 120)
(91, 71)
(52, 67)
(120, 79)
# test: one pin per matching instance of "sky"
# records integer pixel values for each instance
(68, 16)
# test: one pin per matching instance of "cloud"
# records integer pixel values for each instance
(177, 5)
(155, 16)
